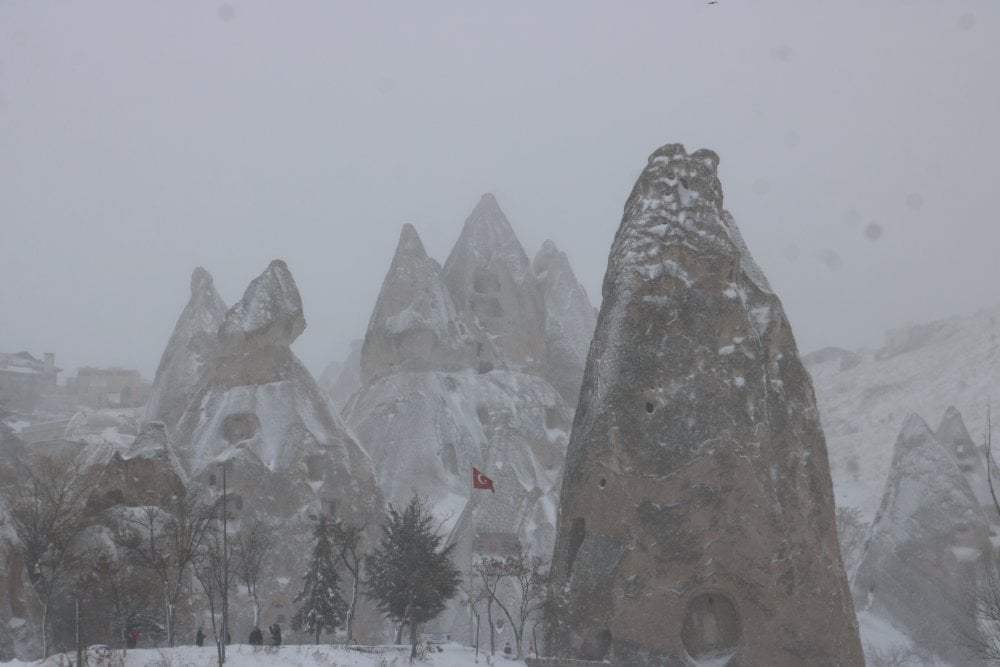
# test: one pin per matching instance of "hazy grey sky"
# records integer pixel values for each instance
(858, 140)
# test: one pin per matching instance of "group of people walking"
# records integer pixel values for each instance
(256, 636)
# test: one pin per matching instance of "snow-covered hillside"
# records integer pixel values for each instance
(864, 396)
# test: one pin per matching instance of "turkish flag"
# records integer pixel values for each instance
(481, 481)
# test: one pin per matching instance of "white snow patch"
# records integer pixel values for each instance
(760, 317)
(966, 554)
(300, 655)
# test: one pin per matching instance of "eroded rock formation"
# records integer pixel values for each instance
(189, 350)
(697, 516)
(929, 534)
(259, 412)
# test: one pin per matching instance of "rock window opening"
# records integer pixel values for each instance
(602, 483)
(649, 407)
(211, 479)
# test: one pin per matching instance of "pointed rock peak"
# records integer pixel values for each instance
(547, 254)
(487, 238)
(487, 227)
(205, 305)
(410, 244)
(952, 430)
(677, 203)
(412, 326)
(915, 429)
(487, 219)
(191, 345)
(488, 209)
(201, 280)
(270, 312)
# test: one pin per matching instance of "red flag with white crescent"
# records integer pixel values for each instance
(481, 481)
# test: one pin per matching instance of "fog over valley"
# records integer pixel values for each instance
(138, 142)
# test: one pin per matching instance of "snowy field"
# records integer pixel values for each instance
(303, 655)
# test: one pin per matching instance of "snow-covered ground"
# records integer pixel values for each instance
(303, 655)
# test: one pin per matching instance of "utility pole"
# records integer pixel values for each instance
(79, 646)
(225, 569)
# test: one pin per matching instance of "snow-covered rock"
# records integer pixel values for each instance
(972, 461)
(268, 315)
(191, 346)
(492, 285)
(569, 321)
(863, 395)
(929, 533)
(414, 326)
(260, 414)
(696, 516)
(455, 377)
(341, 379)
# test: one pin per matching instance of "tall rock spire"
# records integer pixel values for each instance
(697, 514)
(972, 460)
(489, 277)
(926, 540)
(569, 320)
(414, 326)
(189, 349)
(270, 312)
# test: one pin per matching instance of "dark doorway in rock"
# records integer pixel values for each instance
(596, 647)
(711, 627)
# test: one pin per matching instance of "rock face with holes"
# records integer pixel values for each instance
(258, 397)
(928, 537)
(455, 375)
(191, 347)
(287, 456)
(696, 517)
(491, 283)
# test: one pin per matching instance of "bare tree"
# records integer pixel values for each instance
(252, 545)
(215, 578)
(516, 584)
(474, 595)
(346, 541)
(48, 511)
(851, 533)
(166, 540)
(984, 594)
(117, 598)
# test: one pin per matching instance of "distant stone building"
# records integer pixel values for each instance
(23, 378)
(109, 387)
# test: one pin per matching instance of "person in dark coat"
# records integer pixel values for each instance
(275, 634)
(256, 637)
(199, 638)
